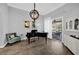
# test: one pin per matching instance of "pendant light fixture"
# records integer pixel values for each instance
(34, 14)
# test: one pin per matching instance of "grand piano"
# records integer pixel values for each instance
(34, 33)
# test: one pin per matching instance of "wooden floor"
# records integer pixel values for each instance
(38, 47)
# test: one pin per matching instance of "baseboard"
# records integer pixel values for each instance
(3, 45)
(23, 38)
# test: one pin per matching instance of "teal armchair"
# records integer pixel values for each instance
(12, 37)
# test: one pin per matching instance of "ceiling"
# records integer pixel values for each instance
(43, 8)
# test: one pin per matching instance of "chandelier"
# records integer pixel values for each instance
(34, 14)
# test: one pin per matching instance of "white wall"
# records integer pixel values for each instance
(3, 24)
(16, 21)
(48, 26)
(68, 10)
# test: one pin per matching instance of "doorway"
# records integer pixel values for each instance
(57, 28)
(54, 28)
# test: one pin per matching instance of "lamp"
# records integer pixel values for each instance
(34, 14)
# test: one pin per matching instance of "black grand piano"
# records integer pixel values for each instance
(34, 33)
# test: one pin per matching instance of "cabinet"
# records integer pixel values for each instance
(71, 28)
(72, 44)
(77, 47)
(72, 24)
(69, 24)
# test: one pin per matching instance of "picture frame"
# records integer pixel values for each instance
(27, 24)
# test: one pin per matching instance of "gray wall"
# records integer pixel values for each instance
(3, 24)
(12, 20)
(16, 21)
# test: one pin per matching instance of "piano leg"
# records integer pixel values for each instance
(46, 40)
(28, 40)
(38, 38)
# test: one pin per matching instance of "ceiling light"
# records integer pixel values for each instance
(34, 14)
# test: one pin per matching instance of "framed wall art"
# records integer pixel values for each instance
(27, 24)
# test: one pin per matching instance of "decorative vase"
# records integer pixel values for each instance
(33, 24)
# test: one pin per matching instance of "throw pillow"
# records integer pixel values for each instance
(12, 36)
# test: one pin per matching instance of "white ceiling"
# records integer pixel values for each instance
(43, 8)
